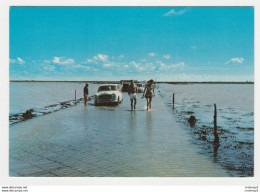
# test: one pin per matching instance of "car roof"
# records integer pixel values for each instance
(108, 85)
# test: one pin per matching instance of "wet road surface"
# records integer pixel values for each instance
(106, 141)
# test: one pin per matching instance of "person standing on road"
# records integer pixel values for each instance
(149, 93)
(85, 94)
(132, 92)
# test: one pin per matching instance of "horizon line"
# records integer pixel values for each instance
(100, 81)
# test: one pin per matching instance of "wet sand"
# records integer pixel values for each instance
(107, 141)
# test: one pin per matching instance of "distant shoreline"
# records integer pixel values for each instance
(118, 82)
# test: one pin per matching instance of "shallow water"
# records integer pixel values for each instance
(235, 96)
(235, 120)
(113, 141)
(26, 95)
(107, 141)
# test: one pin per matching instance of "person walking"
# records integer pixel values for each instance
(149, 93)
(85, 94)
(132, 92)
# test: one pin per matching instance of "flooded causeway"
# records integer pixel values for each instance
(107, 141)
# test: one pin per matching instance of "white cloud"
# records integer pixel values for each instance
(203, 77)
(173, 12)
(178, 65)
(193, 47)
(164, 67)
(96, 58)
(107, 65)
(136, 66)
(12, 61)
(20, 61)
(62, 61)
(121, 56)
(236, 60)
(150, 67)
(47, 61)
(102, 57)
(49, 68)
(158, 62)
(167, 56)
(133, 63)
(152, 54)
(81, 67)
(133, 66)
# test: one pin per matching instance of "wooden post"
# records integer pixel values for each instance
(216, 141)
(75, 96)
(173, 99)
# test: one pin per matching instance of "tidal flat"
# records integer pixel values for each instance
(78, 141)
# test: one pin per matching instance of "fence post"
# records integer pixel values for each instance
(216, 141)
(173, 99)
(75, 96)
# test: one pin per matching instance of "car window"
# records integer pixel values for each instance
(107, 88)
(113, 88)
(103, 88)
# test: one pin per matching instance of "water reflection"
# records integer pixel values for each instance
(132, 120)
(216, 146)
(149, 124)
(132, 124)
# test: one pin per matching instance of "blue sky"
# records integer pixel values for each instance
(113, 43)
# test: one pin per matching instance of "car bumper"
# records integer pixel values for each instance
(112, 103)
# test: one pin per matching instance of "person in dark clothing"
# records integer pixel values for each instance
(132, 92)
(85, 94)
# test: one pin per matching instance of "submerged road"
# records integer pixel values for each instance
(106, 141)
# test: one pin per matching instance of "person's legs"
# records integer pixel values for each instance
(85, 99)
(151, 102)
(147, 100)
(131, 104)
(135, 103)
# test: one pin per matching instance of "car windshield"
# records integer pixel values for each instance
(107, 88)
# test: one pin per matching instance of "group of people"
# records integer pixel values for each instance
(132, 91)
(148, 93)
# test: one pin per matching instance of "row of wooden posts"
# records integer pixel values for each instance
(216, 140)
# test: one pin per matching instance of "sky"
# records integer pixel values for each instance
(142, 43)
